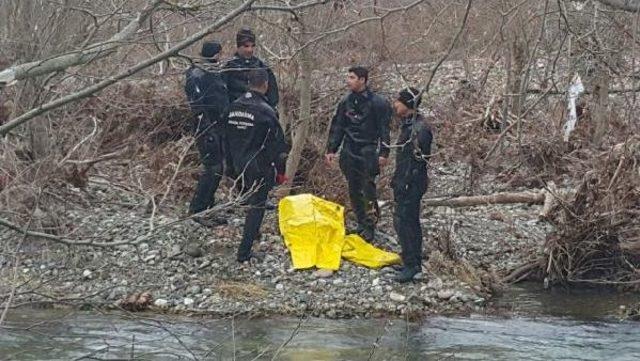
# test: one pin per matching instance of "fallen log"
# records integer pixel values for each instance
(547, 197)
(521, 273)
(533, 197)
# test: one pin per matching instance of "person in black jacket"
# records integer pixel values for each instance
(207, 94)
(410, 180)
(237, 69)
(256, 153)
(361, 127)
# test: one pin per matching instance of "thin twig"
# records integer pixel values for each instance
(233, 335)
(17, 261)
(293, 334)
(376, 343)
(85, 139)
(446, 55)
(185, 151)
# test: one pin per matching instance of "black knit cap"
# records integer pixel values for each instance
(410, 97)
(245, 35)
(210, 49)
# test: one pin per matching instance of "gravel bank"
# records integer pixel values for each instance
(187, 267)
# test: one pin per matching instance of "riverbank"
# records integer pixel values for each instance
(543, 325)
(187, 268)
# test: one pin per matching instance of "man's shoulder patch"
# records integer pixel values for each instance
(241, 119)
(241, 114)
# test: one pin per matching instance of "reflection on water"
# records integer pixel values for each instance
(584, 304)
(558, 330)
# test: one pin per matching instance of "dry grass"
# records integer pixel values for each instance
(241, 291)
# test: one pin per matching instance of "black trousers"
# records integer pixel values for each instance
(211, 157)
(361, 168)
(406, 218)
(256, 185)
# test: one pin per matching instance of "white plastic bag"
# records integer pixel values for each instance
(575, 89)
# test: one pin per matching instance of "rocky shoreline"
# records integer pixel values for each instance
(188, 268)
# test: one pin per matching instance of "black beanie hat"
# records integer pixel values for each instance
(210, 49)
(245, 35)
(410, 97)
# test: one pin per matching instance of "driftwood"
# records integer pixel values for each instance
(547, 197)
(535, 197)
(136, 302)
(521, 273)
(597, 236)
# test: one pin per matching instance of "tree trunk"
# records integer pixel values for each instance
(299, 136)
(601, 105)
(39, 138)
(519, 59)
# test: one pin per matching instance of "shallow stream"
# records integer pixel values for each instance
(543, 325)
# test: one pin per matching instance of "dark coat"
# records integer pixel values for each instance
(207, 94)
(414, 142)
(255, 140)
(361, 120)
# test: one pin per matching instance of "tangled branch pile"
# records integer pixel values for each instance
(598, 232)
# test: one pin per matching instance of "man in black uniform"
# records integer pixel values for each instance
(207, 94)
(361, 127)
(256, 153)
(410, 180)
(237, 69)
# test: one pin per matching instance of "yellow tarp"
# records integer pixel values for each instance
(313, 230)
(357, 250)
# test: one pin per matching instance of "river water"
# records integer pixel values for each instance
(544, 325)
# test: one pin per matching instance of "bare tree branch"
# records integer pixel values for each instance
(290, 8)
(245, 6)
(90, 53)
(355, 24)
(626, 5)
(4, 129)
(451, 46)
